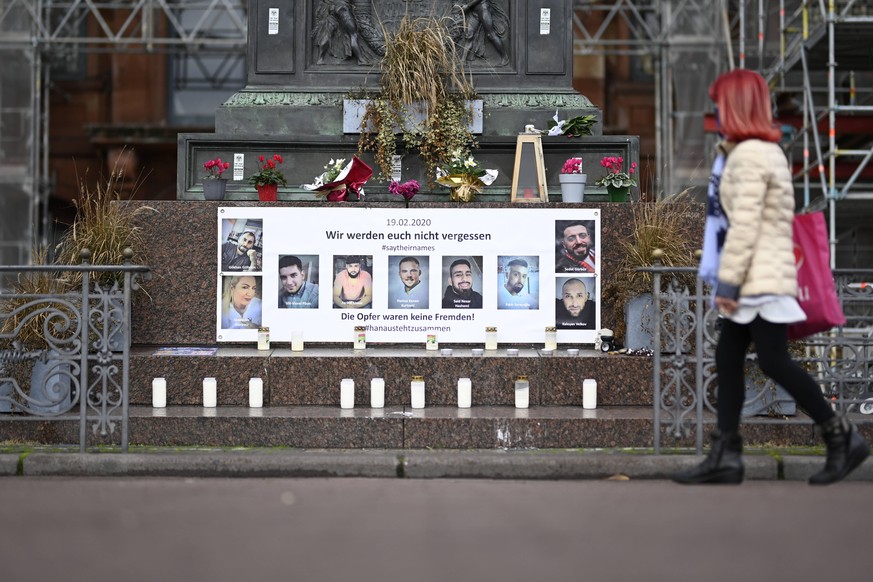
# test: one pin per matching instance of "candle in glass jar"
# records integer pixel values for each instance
(256, 393)
(347, 393)
(263, 338)
(360, 339)
(159, 393)
(431, 342)
(589, 394)
(522, 392)
(296, 341)
(490, 338)
(210, 393)
(465, 393)
(551, 338)
(417, 389)
(377, 393)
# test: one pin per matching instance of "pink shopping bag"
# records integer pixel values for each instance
(816, 292)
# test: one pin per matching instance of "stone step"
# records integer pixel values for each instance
(399, 427)
(313, 377)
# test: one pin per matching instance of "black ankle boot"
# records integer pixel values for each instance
(846, 450)
(724, 464)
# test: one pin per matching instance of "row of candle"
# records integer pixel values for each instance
(210, 393)
(359, 340)
(377, 393)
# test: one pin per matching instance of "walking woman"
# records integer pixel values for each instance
(750, 211)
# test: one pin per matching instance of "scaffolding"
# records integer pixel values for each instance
(42, 38)
(801, 46)
(815, 52)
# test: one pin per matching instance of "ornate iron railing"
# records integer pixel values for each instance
(685, 331)
(66, 355)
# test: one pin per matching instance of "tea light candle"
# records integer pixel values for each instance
(512, 352)
(360, 339)
(377, 393)
(210, 393)
(572, 351)
(446, 352)
(256, 393)
(159, 393)
(417, 389)
(589, 394)
(478, 352)
(522, 392)
(465, 393)
(551, 338)
(547, 353)
(296, 341)
(347, 393)
(490, 338)
(431, 343)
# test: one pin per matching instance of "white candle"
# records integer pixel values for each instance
(589, 394)
(490, 338)
(360, 337)
(264, 338)
(417, 388)
(347, 393)
(522, 392)
(465, 393)
(431, 343)
(159, 393)
(551, 342)
(512, 352)
(256, 393)
(296, 341)
(210, 393)
(377, 393)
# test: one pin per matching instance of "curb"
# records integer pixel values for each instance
(392, 464)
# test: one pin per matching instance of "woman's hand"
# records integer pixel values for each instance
(726, 306)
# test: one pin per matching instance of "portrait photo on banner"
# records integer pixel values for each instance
(298, 281)
(575, 246)
(575, 304)
(353, 281)
(241, 301)
(241, 245)
(408, 282)
(518, 282)
(463, 277)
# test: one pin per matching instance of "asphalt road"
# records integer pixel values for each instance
(345, 530)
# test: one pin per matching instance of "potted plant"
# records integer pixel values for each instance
(268, 178)
(424, 97)
(572, 181)
(670, 225)
(616, 180)
(213, 184)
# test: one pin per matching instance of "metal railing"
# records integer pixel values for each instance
(66, 355)
(685, 330)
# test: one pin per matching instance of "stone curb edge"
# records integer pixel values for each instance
(395, 464)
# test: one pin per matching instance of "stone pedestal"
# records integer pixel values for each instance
(305, 57)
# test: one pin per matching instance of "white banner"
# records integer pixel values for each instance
(407, 273)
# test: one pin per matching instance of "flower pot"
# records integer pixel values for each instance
(572, 187)
(617, 193)
(268, 192)
(214, 189)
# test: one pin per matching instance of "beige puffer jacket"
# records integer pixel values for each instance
(758, 199)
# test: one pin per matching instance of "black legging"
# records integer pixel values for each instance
(771, 342)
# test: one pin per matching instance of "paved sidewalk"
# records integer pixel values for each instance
(420, 464)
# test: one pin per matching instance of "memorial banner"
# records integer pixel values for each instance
(406, 274)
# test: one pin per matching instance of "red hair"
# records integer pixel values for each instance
(743, 101)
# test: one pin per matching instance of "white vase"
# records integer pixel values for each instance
(572, 187)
